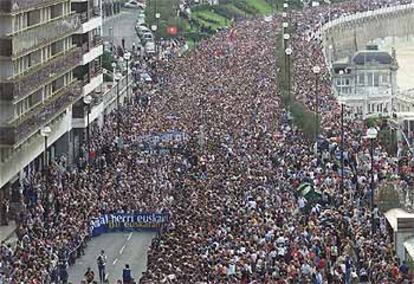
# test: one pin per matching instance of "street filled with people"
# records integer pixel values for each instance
(229, 183)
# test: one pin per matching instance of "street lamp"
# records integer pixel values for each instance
(341, 73)
(330, 48)
(316, 70)
(113, 72)
(372, 135)
(45, 132)
(87, 100)
(285, 5)
(286, 37)
(284, 14)
(288, 53)
(154, 29)
(127, 56)
(342, 148)
(118, 128)
(157, 22)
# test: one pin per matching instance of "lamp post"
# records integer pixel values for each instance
(157, 23)
(286, 37)
(330, 48)
(45, 132)
(341, 73)
(154, 29)
(113, 72)
(87, 101)
(316, 70)
(372, 135)
(118, 128)
(342, 148)
(127, 56)
(288, 53)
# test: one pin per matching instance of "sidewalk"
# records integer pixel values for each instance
(7, 232)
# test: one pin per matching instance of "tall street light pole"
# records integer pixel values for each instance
(157, 22)
(316, 70)
(288, 53)
(342, 148)
(118, 126)
(45, 132)
(87, 101)
(127, 57)
(372, 135)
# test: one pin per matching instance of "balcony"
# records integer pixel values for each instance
(41, 34)
(89, 21)
(14, 6)
(19, 87)
(23, 128)
(92, 13)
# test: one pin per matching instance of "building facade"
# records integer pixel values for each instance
(37, 85)
(50, 57)
(366, 82)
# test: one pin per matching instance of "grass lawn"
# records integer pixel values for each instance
(210, 19)
(262, 6)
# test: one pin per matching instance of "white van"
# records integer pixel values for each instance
(147, 37)
(150, 48)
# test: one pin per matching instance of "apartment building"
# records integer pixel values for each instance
(89, 71)
(50, 57)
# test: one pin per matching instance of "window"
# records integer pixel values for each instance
(35, 57)
(56, 11)
(384, 78)
(33, 18)
(58, 84)
(361, 79)
(57, 47)
(376, 79)
(370, 79)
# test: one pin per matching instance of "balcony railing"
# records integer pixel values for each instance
(96, 41)
(14, 6)
(92, 13)
(43, 34)
(22, 85)
(20, 129)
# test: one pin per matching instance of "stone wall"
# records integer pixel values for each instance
(351, 33)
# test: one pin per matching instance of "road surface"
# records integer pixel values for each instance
(121, 249)
(121, 26)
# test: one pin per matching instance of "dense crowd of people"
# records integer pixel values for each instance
(230, 189)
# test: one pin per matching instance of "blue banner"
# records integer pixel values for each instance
(127, 223)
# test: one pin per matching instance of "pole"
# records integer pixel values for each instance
(289, 95)
(372, 185)
(45, 155)
(317, 115)
(342, 148)
(127, 75)
(117, 110)
(88, 136)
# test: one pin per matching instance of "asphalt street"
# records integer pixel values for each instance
(121, 249)
(121, 26)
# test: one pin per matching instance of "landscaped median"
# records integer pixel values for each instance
(303, 118)
(203, 20)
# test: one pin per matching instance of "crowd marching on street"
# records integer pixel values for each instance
(230, 188)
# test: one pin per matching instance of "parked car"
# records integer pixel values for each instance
(141, 18)
(134, 4)
(150, 48)
(141, 29)
(147, 37)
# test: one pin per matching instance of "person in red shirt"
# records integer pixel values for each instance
(395, 271)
